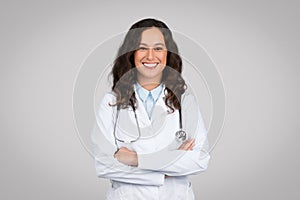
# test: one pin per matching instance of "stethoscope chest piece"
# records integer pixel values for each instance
(180, 135)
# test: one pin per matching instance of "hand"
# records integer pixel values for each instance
(127, 157)
(187, 145)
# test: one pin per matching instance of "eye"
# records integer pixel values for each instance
(158, 49)
(142, 48)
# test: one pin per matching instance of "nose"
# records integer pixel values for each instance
(150, 54)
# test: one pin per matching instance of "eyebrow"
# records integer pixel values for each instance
(156, 44)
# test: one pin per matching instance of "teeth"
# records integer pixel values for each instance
(150, 64)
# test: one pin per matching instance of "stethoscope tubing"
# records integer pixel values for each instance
(180, 134)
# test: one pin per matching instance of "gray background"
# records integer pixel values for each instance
(255, 45)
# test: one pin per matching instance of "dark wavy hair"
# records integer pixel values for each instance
(124, 70)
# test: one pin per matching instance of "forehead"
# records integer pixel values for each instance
(152, 36)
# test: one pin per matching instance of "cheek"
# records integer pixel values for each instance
(163, 58)
(137, 57)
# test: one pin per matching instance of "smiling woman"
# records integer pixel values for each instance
(150, 92)
(151, 58)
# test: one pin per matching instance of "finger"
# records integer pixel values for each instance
(191, 144)
(187, 145)
(123, 149)
(181, 147)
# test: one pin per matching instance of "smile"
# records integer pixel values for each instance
(150, 65)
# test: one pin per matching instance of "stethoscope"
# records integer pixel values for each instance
(180, 135)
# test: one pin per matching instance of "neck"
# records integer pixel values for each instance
(149, 85)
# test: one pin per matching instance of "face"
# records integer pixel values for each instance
(151, 57)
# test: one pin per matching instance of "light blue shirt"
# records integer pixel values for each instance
(148, 98)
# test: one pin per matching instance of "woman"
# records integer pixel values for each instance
(149, 103)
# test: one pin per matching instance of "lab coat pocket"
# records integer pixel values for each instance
(185, 192)
(119, 193)
(190, 192)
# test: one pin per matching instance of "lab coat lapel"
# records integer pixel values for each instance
(142, 115)
(157, 111)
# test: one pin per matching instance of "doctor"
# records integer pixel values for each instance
(135, 141)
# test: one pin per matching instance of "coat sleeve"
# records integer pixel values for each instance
(182, 162)
(103, 151)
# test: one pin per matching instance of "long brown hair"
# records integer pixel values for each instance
(124, 71)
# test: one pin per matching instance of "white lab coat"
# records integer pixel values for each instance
(157, 150)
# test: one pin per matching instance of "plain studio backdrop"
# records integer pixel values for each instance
(254, 44)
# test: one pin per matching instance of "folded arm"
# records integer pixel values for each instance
(103, 150)
(183, 161)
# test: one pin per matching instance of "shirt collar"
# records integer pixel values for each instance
(143, 93)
